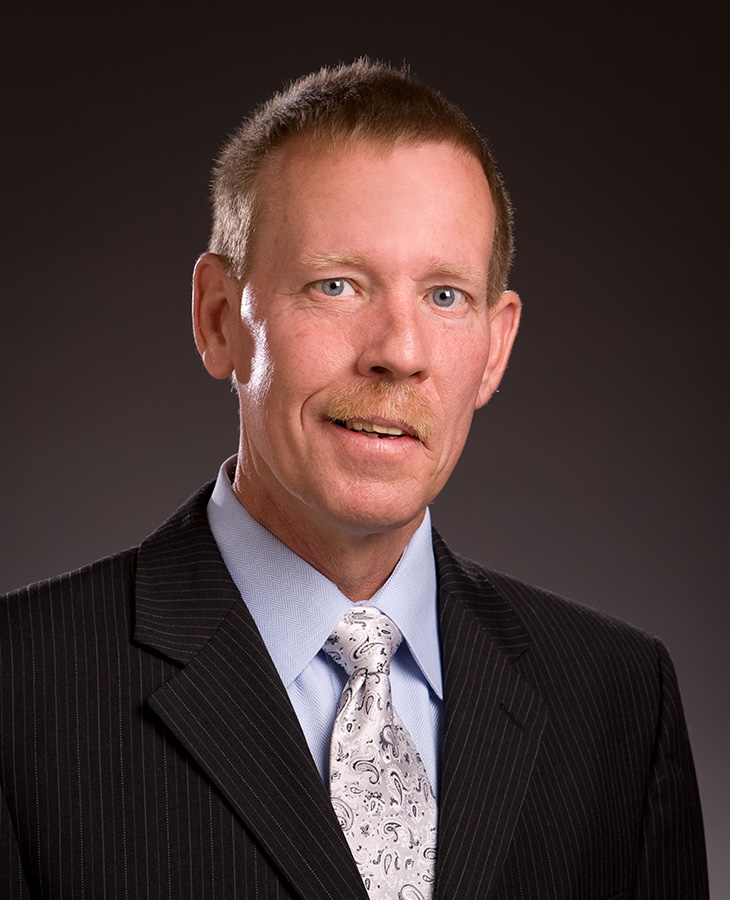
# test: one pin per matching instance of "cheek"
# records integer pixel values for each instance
(281, 360)
(461, 380)
(261, 363)
(244, 352)
(307, 359)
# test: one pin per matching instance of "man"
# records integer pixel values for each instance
(170, 721)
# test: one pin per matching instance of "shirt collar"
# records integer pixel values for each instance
(296, 608)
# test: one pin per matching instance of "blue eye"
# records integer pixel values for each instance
(335, 287)
(447, 297)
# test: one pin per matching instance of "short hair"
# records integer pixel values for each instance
(362, 101)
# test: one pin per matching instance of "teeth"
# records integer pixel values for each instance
(387, 429)
(372, 428)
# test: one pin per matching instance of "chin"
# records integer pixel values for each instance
(364, 517)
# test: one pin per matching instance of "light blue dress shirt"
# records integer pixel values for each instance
(296, 609)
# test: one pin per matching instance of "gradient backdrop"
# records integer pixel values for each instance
(599, 470)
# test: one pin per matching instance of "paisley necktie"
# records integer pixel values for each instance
(380, 790)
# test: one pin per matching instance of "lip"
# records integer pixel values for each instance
(357, 442)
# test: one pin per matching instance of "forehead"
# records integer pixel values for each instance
(433, 194)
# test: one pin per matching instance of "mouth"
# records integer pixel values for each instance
(372, 429)
(383, 410)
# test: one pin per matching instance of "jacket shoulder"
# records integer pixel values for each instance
(111, 573)
(543, 608)
(556, 627)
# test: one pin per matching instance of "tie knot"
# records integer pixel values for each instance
(364, 639)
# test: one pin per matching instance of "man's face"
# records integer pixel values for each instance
(365, 308)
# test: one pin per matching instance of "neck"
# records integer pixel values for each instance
(358, 563)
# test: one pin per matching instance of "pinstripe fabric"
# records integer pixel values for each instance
(567, 771)
(148, 748)
(103, 799)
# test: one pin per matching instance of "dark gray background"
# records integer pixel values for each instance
(599, 470)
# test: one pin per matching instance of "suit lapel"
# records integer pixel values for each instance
(493, 721)
(228, 707)
(229, 710)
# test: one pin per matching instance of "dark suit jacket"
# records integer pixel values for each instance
(149, 749)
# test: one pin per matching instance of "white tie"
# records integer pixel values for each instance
(380, 790)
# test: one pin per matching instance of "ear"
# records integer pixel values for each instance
(215, 310)
(504, 320)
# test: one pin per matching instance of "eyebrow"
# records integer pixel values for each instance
(436, 266)
(457, 271)
(326, 260)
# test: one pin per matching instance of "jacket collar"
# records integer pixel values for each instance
(228, 707)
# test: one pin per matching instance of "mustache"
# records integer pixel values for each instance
(400, 404)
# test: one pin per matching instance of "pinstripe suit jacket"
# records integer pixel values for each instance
(149, 749)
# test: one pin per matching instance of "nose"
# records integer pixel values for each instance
(395, 340)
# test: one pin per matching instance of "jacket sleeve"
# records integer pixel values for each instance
(672, 863)
(12, 879)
